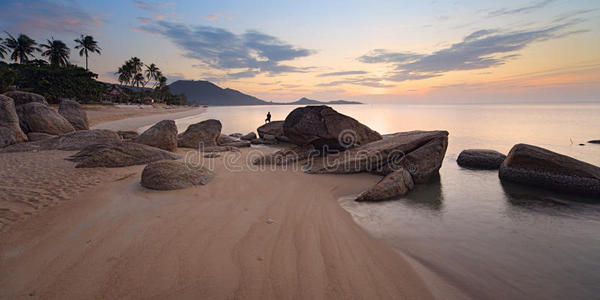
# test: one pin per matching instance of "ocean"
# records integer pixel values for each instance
(481, 237)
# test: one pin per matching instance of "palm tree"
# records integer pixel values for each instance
(3, 48)
(87, 45)
(57, 53)
(136, 64)
(22, 47)
(125, 74)
(152, 73)
(138, 79)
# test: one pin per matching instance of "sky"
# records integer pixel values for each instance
(372, 51)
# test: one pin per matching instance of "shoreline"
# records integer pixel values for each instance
(209, 241)
(133, 118)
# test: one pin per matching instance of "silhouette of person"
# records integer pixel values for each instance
(268, 119)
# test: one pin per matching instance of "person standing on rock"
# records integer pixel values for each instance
(268, 119)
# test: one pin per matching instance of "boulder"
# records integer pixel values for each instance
(395, 184)
(162, 135)
(238, 144)
(225, 139)
(71, 141)
(74, 113)
(236, 135)
(419, 152)
(325, 128)
(286, 156)
(480, 159)
(248, 137)
(10, 131)
(204, 133)
(128, 135)
(264, 142)
(273, 130)
(114, 155)
(174, 175)
(37, 117)
(535, 166)
(25, 97)
(38, 136)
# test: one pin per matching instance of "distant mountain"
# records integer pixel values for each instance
(306, 101)
(207, 93)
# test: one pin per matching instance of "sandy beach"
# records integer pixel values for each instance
(249, 234)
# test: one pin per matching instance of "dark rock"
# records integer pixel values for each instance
(219, 149)
(248, 137)
(594, 142)
(37, 117)
(174, 175)
(273, 130)
(480, 159)
(225, 139)
(211, 155)
(25, 97)
(74, 113)
(162, 135)
(419, 152)
(128, 135)
(200, 134)
(286, 156)
(38, 136)
(10, 130)
(71, 141)
(238, 144)
(264, 142)
(114, 155)
(325, 128)
(395, 184)
(535, 166)
(236, 135)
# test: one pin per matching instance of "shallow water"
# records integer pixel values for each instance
(485, 238)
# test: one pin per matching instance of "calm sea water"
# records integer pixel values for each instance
(480, 236)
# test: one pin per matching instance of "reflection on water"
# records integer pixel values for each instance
(488, 239)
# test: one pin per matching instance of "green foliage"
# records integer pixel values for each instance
(54, 82)
(7, 77)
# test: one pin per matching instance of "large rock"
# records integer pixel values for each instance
(273, 130)
(419, 152)
(395, 184)
(74, 113)
(248, 137)
(37, 117)
(480, 159)
(204, 133)
(227, 140)
(162, 135)
(114, 155)
(38, 136)
(174, 175)
(325, 128)
(10, 131)
(71, 141)
(128, 135)
(25, 97)
(535, 166)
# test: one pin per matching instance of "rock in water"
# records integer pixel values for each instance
(204, 133)
(114, 155)
(480, 159)
(10, 131)
(236, 135)
(395, 184)
(224, 139)
(419, 152)
(25, 97)
(531, 165)
(594, 142)
(37, 117)
(325, 128)
(71, 141)
(162, 135)
(74, 113)
(174, 175)
(248, 137)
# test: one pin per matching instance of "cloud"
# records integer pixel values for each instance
(479, 50)
(39, 17)
(152, 6)
(343, 73)
(246, 54)
(520, 10)
(213, 17)
(370, 82)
